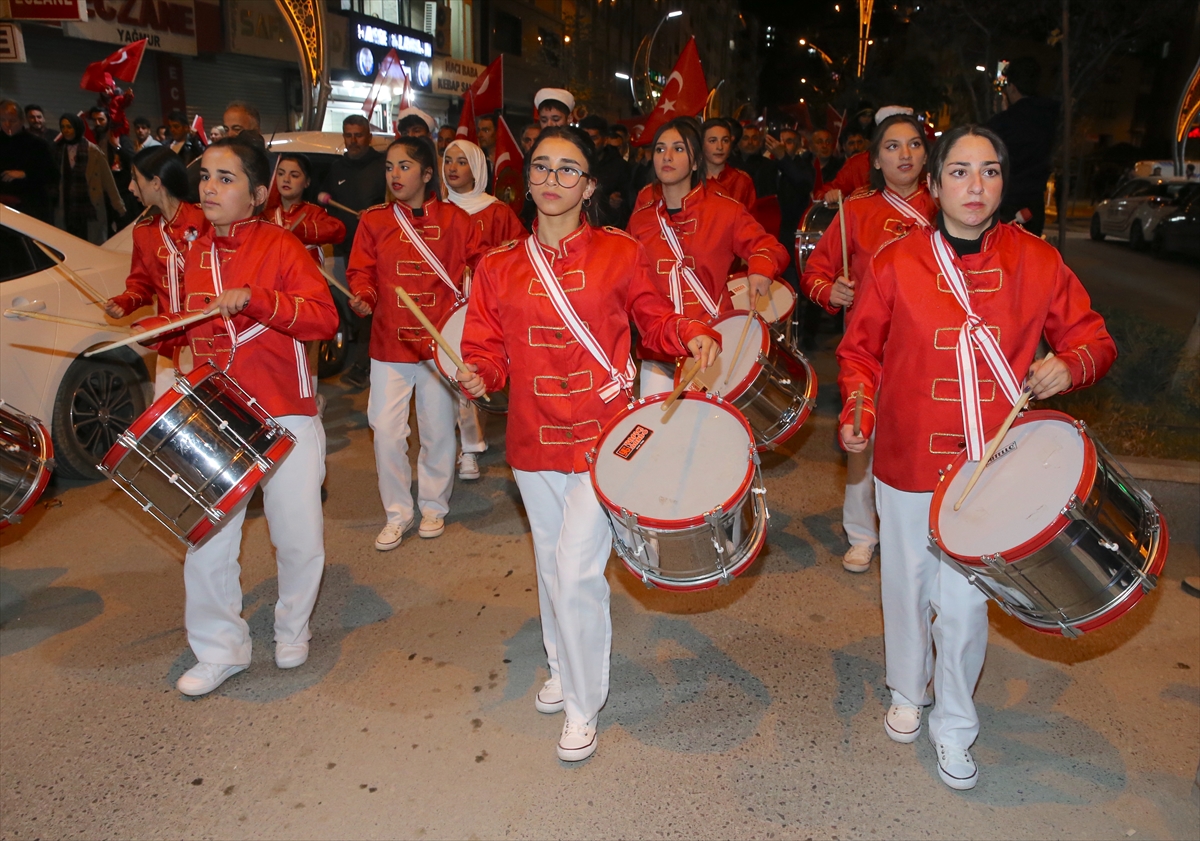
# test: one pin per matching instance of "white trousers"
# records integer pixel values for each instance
(858, 509)
(571, 544)
(657, 377)
(471, 425)
(212, 615)
(164, 375)
(928, 603)
(393, 385)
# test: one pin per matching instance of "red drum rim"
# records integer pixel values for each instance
(687, 522)
(677, 587)
(245, 485)
(43, 477)
(1044, 537)
(433, 345)
(764, 346)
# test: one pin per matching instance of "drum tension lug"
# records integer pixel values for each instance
(994, 561)
(1071, 505)
(1069, 632)
(1149, 582)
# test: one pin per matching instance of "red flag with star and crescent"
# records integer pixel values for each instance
(487, 91)
(684, 95)
(123, 64)
(509, 168)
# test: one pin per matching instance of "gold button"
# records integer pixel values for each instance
(565, 385)
(207, 299)
(558, 334)
(570, 435)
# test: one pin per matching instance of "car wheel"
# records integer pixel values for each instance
(1158, 245)
(1137, 240)
(96, 402)
(332, 353)
(1097, 234)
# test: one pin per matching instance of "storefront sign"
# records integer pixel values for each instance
(257, 28)
(167, 25)
(12, 44)
(452, 77)
(371, 39)
(43, 9)
(171, 93)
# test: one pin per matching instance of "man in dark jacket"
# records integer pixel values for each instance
(27, 170)
(749, 157)
(1027, 125)
(612, 172)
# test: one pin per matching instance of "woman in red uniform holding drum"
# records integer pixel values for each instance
(897, 200)
(421, 244)
(270, 298)
(464, 173)
(550, 315)
(160, 246)
(692, 233)
(967, 301)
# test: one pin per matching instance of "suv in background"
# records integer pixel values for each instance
(1115, 216)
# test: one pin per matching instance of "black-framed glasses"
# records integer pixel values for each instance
(565, 176)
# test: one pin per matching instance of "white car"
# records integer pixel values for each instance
(1147, 216)
(1116, 216)
(86, 403)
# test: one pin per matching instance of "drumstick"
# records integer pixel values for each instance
(679, 389)
(337, 284)
(150, 334)
(73, 276)
(74, 322)
(858, 400)
(343, 207)
(845, 247)
(299, 219)
(992, 447)
(455, 359)
(745, 328)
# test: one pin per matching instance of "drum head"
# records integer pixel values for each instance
(452, 332)
(1019, 495)
(676, 471)
(773, 309)
(818, 217)
(757, 341)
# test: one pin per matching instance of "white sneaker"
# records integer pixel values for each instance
(468, 467)
(858, 559)
(550, 697)
(389, 538)
(431, 526)
(289, 655)
(203, 678)
(578, 741)
(903, 723)
(956, 767)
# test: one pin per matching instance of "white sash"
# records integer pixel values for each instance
(973, 334)
(681, 268)
(904, 207)
(175, 263)
(618, 381)
(315, 250)
(423, 249)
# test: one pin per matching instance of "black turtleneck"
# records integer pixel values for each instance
(963, 247)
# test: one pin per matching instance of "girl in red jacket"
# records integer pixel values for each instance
(718, 146)
(311, 224)
(692, 233)
(422, 244)
(566, 358)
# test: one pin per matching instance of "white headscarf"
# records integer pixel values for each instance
(477, 199)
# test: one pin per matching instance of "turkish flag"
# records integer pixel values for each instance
(391, 73)
(683, 95)
(198, 128)
(123, 64)
(509, 168)
(466, 121)
(487, 92)
(834, 121)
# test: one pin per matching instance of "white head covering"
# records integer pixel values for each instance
(891, 111)
(417, 112)
(563, 96)
(476, 200)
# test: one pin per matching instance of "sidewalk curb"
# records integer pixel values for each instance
(1162, 470)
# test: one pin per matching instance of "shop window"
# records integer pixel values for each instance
(551, 46)
(506, 33)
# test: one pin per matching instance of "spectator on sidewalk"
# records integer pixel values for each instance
(1027, 125)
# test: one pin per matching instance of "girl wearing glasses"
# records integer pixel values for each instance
(709, 230)
(421, 244)
(550, 315)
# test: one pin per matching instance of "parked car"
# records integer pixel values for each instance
(1115, 216)
(1148, 215)
(1179, 231)
(86, 403)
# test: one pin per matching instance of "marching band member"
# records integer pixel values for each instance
(945, 318)
(311, 223)
(422, 244)
(718, 146)
(898, 200)
(550, 315)
(692, 233)
(160, 247)
(856, 171)
(270, 298)
(464, 174)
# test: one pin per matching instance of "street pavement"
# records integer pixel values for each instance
(749, 711)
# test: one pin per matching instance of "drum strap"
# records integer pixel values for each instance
(219, 287)
(904, 207)
(973, 334)
(426, 254)
(681, 269)
(618, 381)
(175, 263)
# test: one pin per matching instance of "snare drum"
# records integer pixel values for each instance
(816, 220)
(772, 385)
(26, 461)
(451, 329)
(1056, 531)
(775, 309)
(684, 495)
(196, 453)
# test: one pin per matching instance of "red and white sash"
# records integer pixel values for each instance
(175, 264)
(973, 334)
(426, 254)
(681, 269)
(905, 208)
(618, 381)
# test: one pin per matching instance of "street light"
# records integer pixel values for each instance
(623, 76)
(813, 49)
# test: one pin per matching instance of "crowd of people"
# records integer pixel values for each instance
(931, 280)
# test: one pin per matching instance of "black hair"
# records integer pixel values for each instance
(247, 107)
(421, 150)
(141, 121)
(877, 180)
(618, 130)
(946, 142)
(491, 118)
(594, 122)
(161, 162)
(300, 160)
(1025, 74)
(76, 122)
(253, 157)
(34, 107)
(578, 138)
(555, 105)
(177, 116)
(689, 130)
(356, 120)
(96, 109)
(411, 121)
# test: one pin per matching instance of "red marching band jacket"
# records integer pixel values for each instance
(855, 173)
(736, 184)
(149, 275)
(871, 223)
(498, 225)
(900, 345)
(514, 334)
(289, 305)
(383, 258)
(713, 229)
(312, 225)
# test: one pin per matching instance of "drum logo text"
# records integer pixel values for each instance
(633, 442)
(1002, 453)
